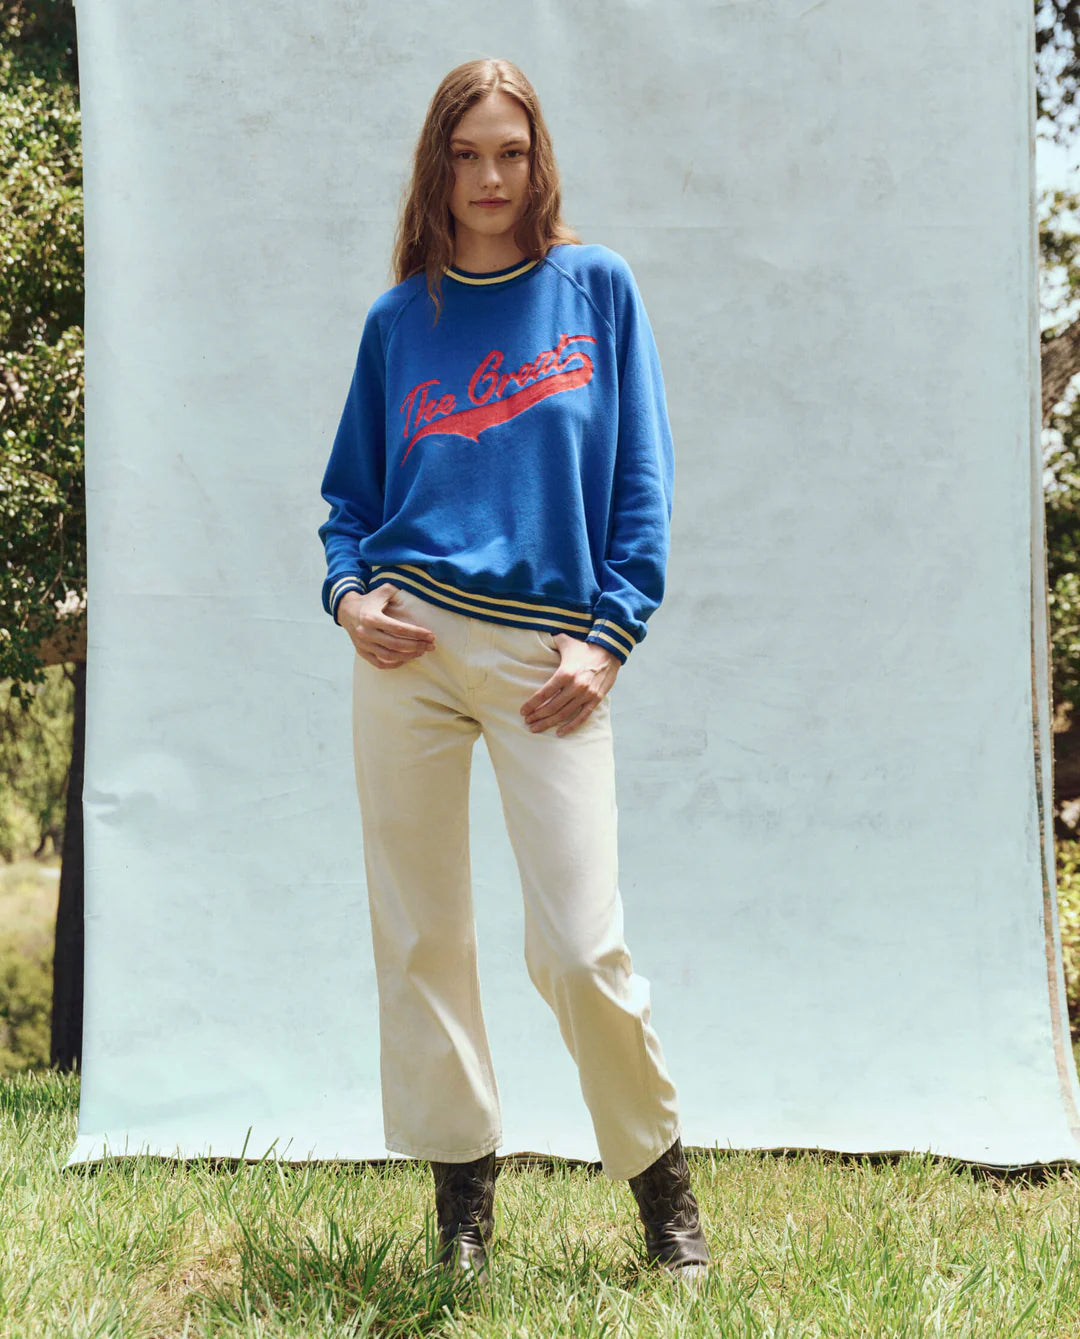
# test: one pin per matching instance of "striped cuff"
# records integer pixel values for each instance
(339, 588)
(612, 637)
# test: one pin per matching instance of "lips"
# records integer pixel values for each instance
(489, 204)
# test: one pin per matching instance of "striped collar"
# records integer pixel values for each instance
(493, 277)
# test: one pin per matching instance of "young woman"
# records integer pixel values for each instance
(500, 491)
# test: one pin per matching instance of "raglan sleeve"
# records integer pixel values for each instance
(634, 569)
(353, 482)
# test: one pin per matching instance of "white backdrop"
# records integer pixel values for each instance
(835, 871)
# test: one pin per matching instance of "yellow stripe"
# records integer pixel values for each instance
(551, 615)
(496, 601)
(599, 634)
(559, 620)
(568, 620)
(343, 581)
(630, 643)
(498, 279)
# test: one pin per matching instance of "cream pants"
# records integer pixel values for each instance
(414, 727)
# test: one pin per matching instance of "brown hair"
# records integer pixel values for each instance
(424, 239)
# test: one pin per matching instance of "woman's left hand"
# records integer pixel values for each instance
(575, 690)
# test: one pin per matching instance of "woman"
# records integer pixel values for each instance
(500, 498)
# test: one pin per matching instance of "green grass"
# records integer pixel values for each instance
(804, 1245)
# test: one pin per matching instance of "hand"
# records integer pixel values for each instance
(382, 639)
(576, 689)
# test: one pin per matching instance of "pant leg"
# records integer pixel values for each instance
(558, 797)
(413, 752)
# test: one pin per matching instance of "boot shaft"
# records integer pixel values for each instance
(465, 1195)
(669, 1211)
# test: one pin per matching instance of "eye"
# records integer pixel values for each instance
(464, 153)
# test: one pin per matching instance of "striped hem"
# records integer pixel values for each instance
(338, 589)
(513, 611)
(613, 635)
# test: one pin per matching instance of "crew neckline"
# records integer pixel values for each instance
(482, 279)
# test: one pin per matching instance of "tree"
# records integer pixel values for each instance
(42, 503)
(42, 506)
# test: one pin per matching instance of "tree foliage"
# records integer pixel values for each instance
(1059, 248)
(1057, 66)
(35, 753)
(42, 503)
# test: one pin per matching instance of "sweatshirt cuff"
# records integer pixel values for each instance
(340, 587)
(613, 637)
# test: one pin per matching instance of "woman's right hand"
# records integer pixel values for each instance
(382, 639)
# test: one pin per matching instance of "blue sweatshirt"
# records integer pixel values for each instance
(514, 462)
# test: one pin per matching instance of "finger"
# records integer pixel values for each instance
(384, 659)
(560, 686)
(563, 709)
(394, 646)
(577, 721)
(544, 708)
(389, 640)
(402, 634)
(391, 657)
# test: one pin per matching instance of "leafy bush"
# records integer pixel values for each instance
(25, 1009)
(35, 754)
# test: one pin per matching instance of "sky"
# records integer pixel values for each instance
(1057, 167)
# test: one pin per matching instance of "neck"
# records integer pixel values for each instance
(484, 255)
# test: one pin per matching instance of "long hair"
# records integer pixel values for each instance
(424, 238)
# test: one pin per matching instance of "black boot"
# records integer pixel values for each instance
(669, 1213)
(465, 1208)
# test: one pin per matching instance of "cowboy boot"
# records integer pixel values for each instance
(669, 1213)
(465, 1208)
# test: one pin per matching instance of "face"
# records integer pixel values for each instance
(491, 153)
